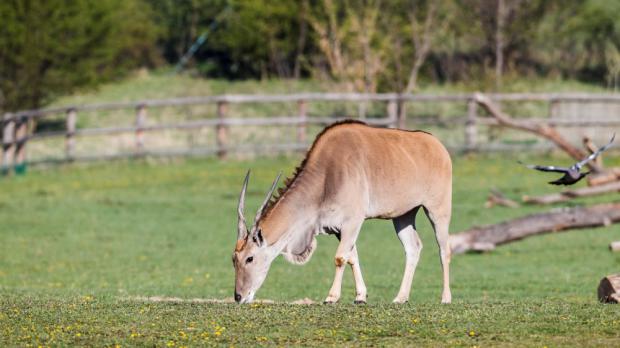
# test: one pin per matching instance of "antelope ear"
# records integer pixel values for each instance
(242, 228)
(258, 237)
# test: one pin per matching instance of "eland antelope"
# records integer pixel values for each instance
(351, 173)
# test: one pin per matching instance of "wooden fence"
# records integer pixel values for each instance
(17, 129)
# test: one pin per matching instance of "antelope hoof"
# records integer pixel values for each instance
(400, 300)
(446, 298)
(331, 300)
(360, 298)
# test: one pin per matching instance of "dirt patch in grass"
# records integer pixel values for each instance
(166, 299)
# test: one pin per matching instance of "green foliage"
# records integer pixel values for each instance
(80, 243)
(584, 37)
(245, 38)
(181, 22)
(260, 36)
(49, 48)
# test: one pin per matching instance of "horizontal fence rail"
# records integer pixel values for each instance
(17, 129)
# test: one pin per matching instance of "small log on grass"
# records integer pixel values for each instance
(614, 246)
(488, 237)
(570, 194)
(609, 289)
(497, 198)
(609, 175)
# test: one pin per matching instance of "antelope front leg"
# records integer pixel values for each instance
(344, 253)
(334, 292)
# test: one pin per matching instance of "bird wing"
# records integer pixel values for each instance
(546, 168)
(583, 162)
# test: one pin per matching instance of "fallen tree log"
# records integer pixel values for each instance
(488, 237)
(609, 289)
(570, 194)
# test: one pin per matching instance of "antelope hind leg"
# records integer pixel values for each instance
(360, 287)
(441, 223)
(405, 229)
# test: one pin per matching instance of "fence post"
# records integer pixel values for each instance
(402, 114)
(392, 112)
(554, 106)
(222, 129)
(21, 137)
(301, 128)
(361, 109)
(471, 130)
(8, 142)
(141, 115)
(70, 136)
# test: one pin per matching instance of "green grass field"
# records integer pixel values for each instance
(80, 243)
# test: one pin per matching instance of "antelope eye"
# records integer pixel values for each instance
(249, 259)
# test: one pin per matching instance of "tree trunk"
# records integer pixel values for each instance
(499, 44)
(301, 40)
(488, 237)
(609, 289)
(421, 45)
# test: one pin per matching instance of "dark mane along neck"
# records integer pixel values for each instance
(290, 182)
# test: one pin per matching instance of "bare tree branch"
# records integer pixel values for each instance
(542, 130)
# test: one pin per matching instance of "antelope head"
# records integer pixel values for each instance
(252, 256)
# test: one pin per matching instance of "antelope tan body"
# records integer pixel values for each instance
(351, 173)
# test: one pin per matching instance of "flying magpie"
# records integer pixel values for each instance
(573, 173)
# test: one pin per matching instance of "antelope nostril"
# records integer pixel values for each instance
(237, 297)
